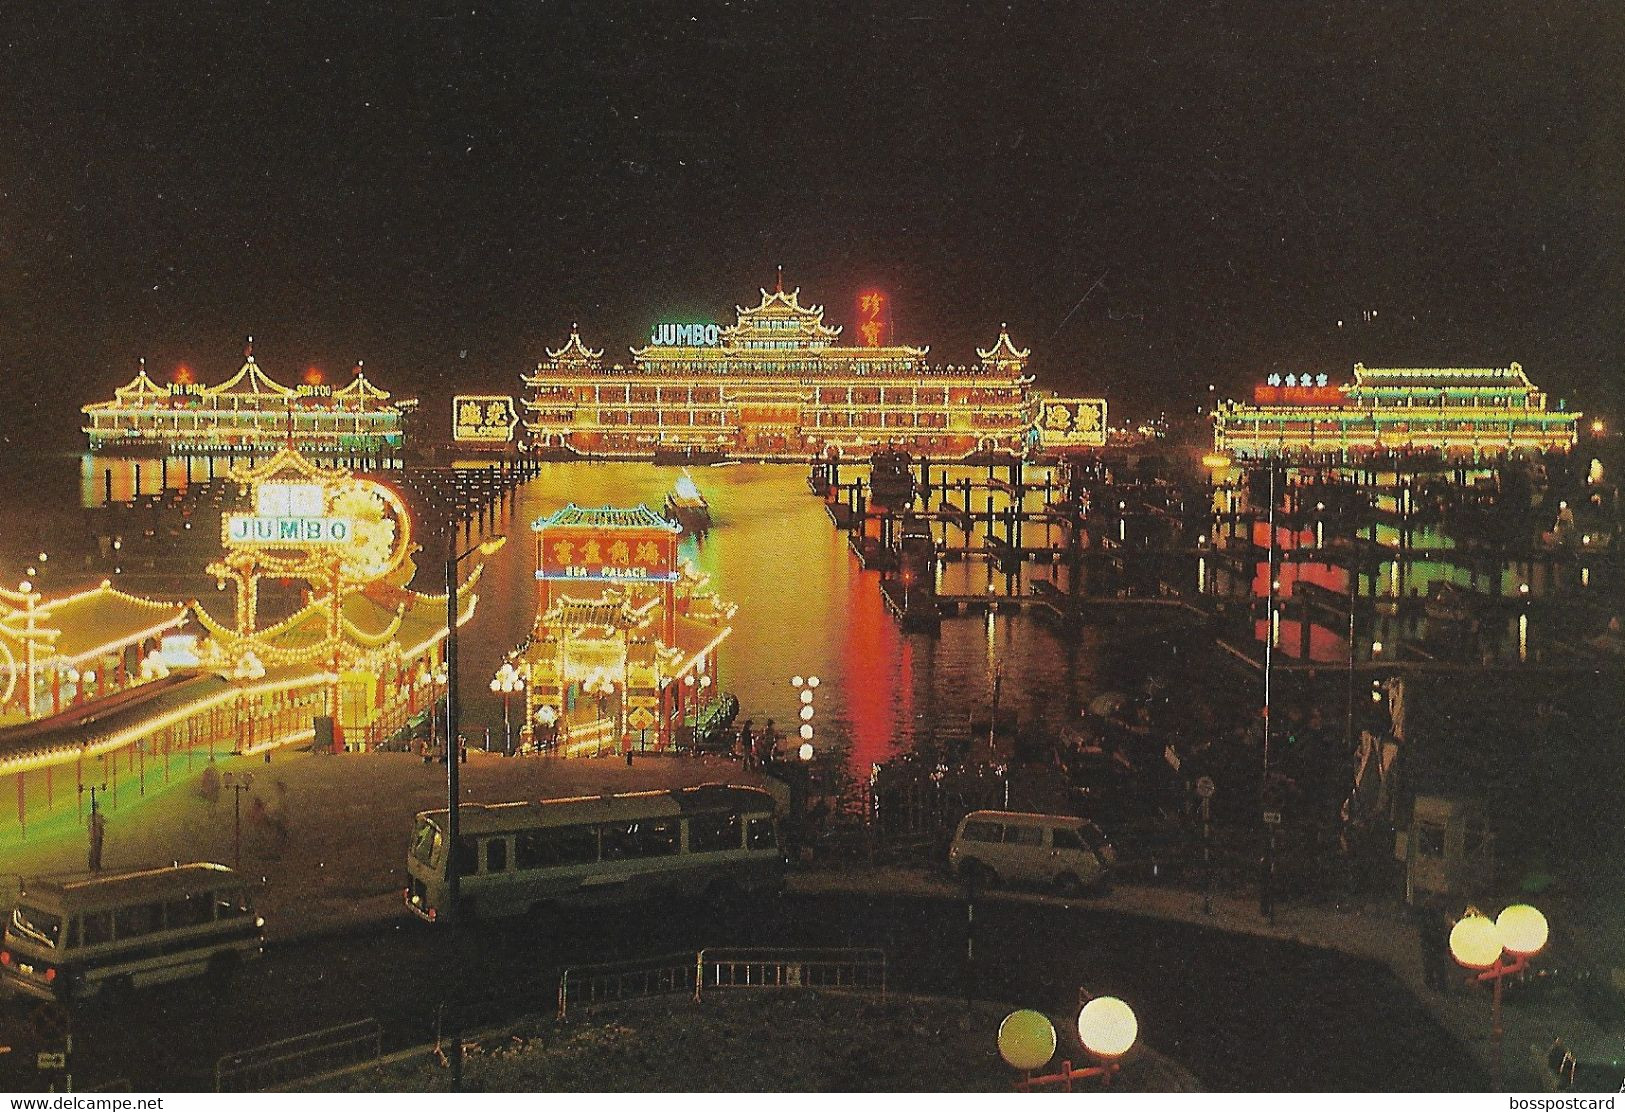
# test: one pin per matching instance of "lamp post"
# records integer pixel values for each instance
(505, 683)
(1107, 1028)
(1494, 950)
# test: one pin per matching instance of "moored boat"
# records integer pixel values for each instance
(687, 506)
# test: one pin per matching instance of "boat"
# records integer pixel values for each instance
(687, 506)
(891, 482)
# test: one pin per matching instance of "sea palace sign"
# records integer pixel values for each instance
(685, 335)
(289, 514)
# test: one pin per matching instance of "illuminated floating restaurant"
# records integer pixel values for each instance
(1462, 413)
(248, 413)
(779, 383)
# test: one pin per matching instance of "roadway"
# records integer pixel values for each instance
(1243, 1013)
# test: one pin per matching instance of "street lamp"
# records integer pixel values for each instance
(507, 681)
(1494, 950)
(1107, 1028)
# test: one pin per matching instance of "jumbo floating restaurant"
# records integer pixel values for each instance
(779, 383)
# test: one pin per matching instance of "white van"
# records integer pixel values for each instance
(79, 935)
(1052, 851)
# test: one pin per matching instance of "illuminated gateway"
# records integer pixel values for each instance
(776, 384)
(249, 412)
(1461, 412)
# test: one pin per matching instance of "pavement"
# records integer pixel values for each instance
(348, 819)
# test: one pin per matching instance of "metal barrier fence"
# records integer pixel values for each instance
(851, 970)
(588, 986)
(287, 1061)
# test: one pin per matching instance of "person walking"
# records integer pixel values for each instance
(747, 744)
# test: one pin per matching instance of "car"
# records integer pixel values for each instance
(1062, 852)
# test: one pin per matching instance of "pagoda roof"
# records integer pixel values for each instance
(140, 389)
(1440, 378)
(359, 388)
(574, 350)
(82, 626)
(368, 619)
(250, 382)
(1003, 349)
(607, 517)
(779, 305)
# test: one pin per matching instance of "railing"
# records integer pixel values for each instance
(287, 1061)
(850, 970)
(589, 986)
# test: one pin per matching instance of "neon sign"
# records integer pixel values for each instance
(607, 555)
(685, 335)
(1072, 422)
(874, 317)
(289, 514)
(483, 418)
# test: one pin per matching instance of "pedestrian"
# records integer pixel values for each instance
(276, 815)
(626, 748)
(208, 785)
(747, 744)
(769, 743)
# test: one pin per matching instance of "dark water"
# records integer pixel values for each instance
(806, 608)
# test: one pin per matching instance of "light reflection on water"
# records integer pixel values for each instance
(805, 608)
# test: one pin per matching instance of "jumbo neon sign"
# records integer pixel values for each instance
(685, 335)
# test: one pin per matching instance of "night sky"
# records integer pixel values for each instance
(1155, 197)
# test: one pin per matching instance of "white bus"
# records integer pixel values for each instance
(712, 841)
(81, 934)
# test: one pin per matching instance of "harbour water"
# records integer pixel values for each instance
(806, 607)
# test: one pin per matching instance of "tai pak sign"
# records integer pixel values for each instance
(289, 514)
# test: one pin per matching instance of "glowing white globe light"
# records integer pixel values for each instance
(1522, 930)
(1107, 1027)
(806, 730)
(806, 751)
(1475, 943)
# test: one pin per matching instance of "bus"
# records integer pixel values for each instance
(78, 935)
(714, 841)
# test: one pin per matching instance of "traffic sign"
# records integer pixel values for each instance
(1205, 787)
(640, 719)
(650, 701)
(49, 1061)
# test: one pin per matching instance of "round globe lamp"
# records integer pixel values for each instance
(1107, 1027)
(1026, 1039)
(1475, 943)
(1522, 930)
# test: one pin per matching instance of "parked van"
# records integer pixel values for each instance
(79, 935)
(1051, 851)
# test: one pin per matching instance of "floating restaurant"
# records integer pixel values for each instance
(778, 384)
(1471, 413)
(249, 412)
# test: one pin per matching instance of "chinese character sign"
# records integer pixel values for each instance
(874, 318)
(1072, 422)
(483, 419)
(576, 552)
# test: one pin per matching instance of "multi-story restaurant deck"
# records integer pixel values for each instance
(250, 412)
(776, 384)
(1470, 413)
